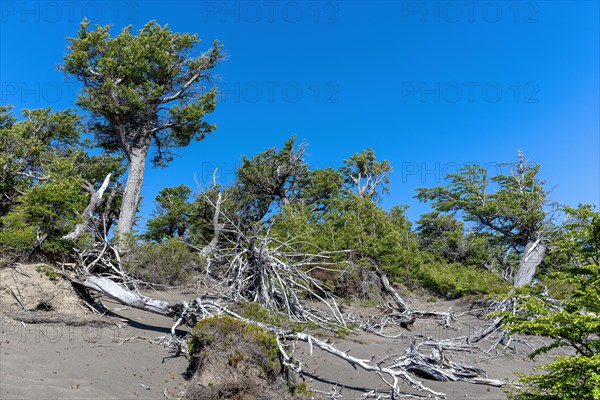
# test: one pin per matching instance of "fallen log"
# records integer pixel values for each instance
(118, 293)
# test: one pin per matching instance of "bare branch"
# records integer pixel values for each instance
(88, 213)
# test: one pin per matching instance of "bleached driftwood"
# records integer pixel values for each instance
(211, 247)
(436, 366)
(124, 296)
(385, 284)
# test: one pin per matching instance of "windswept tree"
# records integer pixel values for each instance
(142, 91)
(366, 175)
(514, 213)
(271, 176)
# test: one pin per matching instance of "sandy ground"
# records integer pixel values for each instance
(53, 361)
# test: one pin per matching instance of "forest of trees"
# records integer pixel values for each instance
(486, 234)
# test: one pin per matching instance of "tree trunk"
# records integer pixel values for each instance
(211, 248)
(133, 188)
(532, 257)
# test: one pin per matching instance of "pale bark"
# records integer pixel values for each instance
(532, 257)
(118, 293)
(133, 188)
(211, 248)
(387, 287)
(88, 213)
(437, 365)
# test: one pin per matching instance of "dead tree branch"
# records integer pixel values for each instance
(88, 213)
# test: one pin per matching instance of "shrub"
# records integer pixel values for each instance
(456, 280)
(16, 237)
(169, 263)
(575, 324)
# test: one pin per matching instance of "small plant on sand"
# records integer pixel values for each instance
(256, 312)
(302, 389)
(48, 271)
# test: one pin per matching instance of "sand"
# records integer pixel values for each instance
(58, 361)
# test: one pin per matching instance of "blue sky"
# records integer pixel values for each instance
(429, 86)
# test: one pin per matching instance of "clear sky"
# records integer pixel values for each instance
(430, 86)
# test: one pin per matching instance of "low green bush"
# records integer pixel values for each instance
(168, 263)
(16, 237)
(575, 327)
(256, 312)
(457, 280)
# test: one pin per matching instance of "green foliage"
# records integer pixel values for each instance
(367, 176)
(323, 185)
(514, 211)
(44, 169)
(302, 389)
(456, 280)
(575, 325)
(129, 80)
(48, 271)
(356, 224)
(172, 215)
(443, 236)
(270, 176)
(513, 215)
(16, 236)
(578, 242)
(27, 147)
(169, 263)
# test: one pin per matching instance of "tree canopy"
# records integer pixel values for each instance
(510, 206)
(143, 91)
(47, 174)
